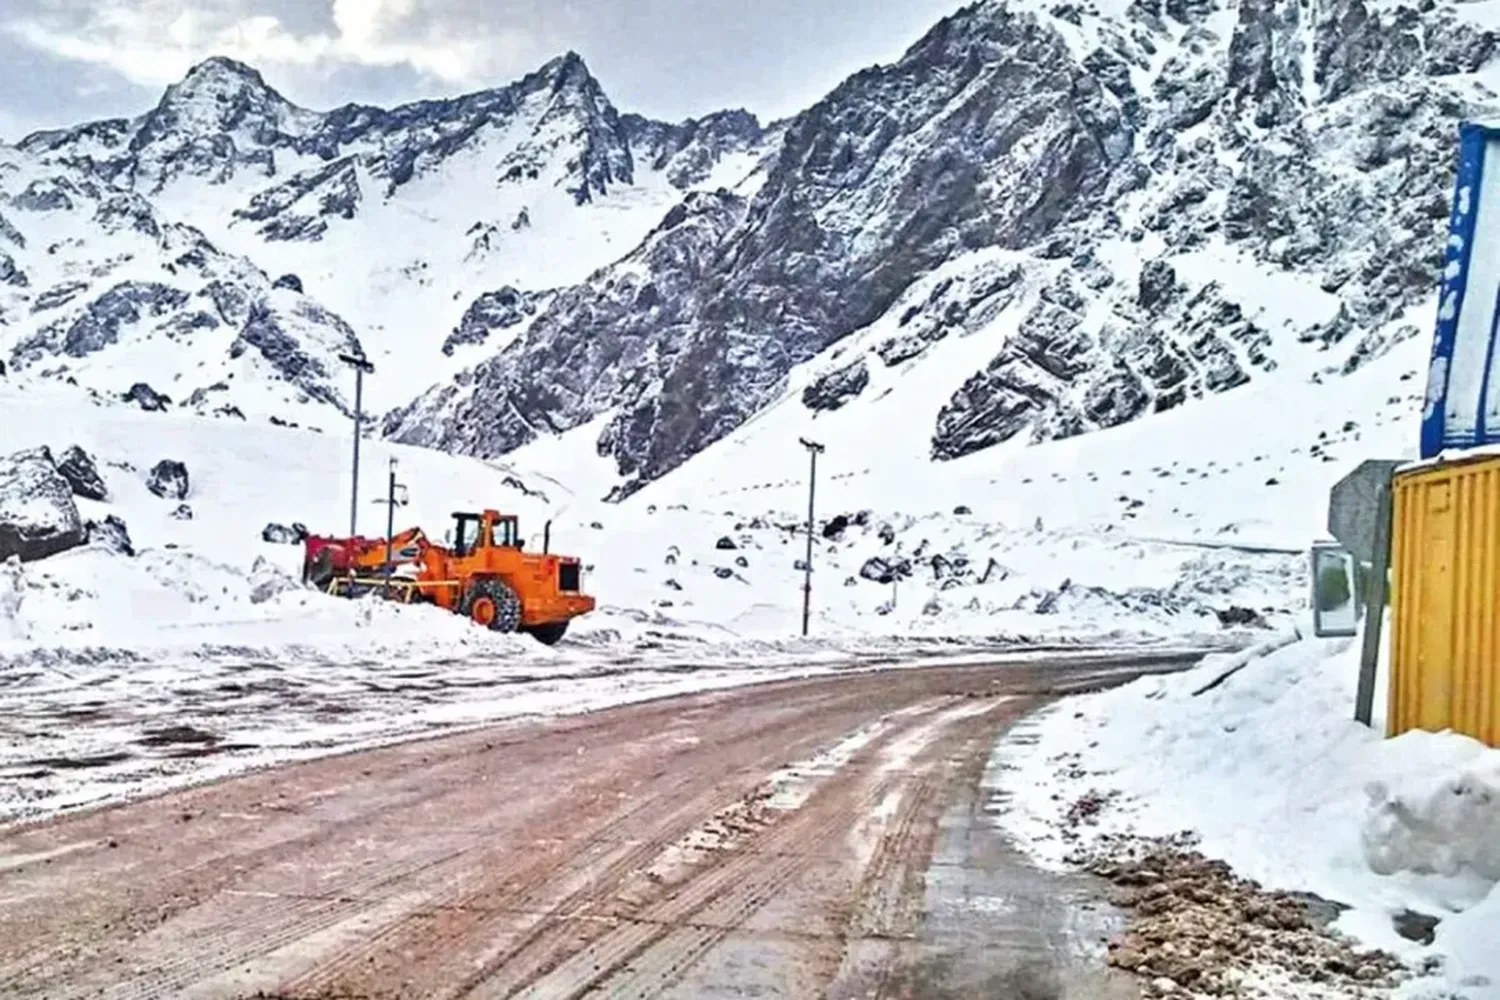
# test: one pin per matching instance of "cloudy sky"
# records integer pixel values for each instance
(67, 61)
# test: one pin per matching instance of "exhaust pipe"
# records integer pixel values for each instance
(547, 537)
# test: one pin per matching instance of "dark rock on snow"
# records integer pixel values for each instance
(725, 544)
(1237, 615)
(111, 534)
(168, 479)
(497, 310)
(832, 390)
(881, 569)
(82, 473)
(182, 512)
(288, 281)
(38, 517)
(146, 397)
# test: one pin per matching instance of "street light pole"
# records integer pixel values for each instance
(361, 367)
(813, 450)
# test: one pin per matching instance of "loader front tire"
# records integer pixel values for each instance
(494, 605)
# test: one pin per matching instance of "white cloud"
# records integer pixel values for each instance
(439, 40)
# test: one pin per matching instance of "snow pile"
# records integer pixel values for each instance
(1269, 769)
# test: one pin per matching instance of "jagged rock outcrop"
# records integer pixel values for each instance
(336, 192)
(10, 273)
(585, 370)
(285, 340)
(497, 310)
(100, 324)
(689, 151)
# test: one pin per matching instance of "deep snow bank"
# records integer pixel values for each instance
(1273, 774)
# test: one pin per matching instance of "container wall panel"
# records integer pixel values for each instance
(1445, 582)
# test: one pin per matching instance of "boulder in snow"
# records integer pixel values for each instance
(723, 572)
(836, 526)
(38, 517)
(885, 570)
(111, 534)
(1237, 615)
(147, 398)
(182, 513)
(81, 472)
(288, 281)
(280, 534)
(725, 544)
(168, 479)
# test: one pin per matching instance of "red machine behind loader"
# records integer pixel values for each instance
(485, 575)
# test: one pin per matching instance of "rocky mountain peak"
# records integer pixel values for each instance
(568, 69)
(219, 95)
(218, 73)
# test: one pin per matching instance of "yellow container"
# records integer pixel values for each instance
(1445, 599)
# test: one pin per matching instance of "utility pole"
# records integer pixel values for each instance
(813, 450)
(390, 514)
(361, 368)
(395, 496)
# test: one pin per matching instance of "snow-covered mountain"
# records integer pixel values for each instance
(1130, 205)
(100, 289)
(403, 220)
(1054, 218)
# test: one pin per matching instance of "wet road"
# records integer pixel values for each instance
(810, 838)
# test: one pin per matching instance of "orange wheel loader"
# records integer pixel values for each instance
(485, 575)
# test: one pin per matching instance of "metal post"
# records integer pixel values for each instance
(361, 366)
(390, 515)
(813, 449)
(1369, 660)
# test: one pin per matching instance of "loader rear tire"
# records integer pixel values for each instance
(494, 605)
(550, 633)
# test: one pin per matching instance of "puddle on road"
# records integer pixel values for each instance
(996, 926)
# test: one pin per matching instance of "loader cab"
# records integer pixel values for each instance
(473, 531)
